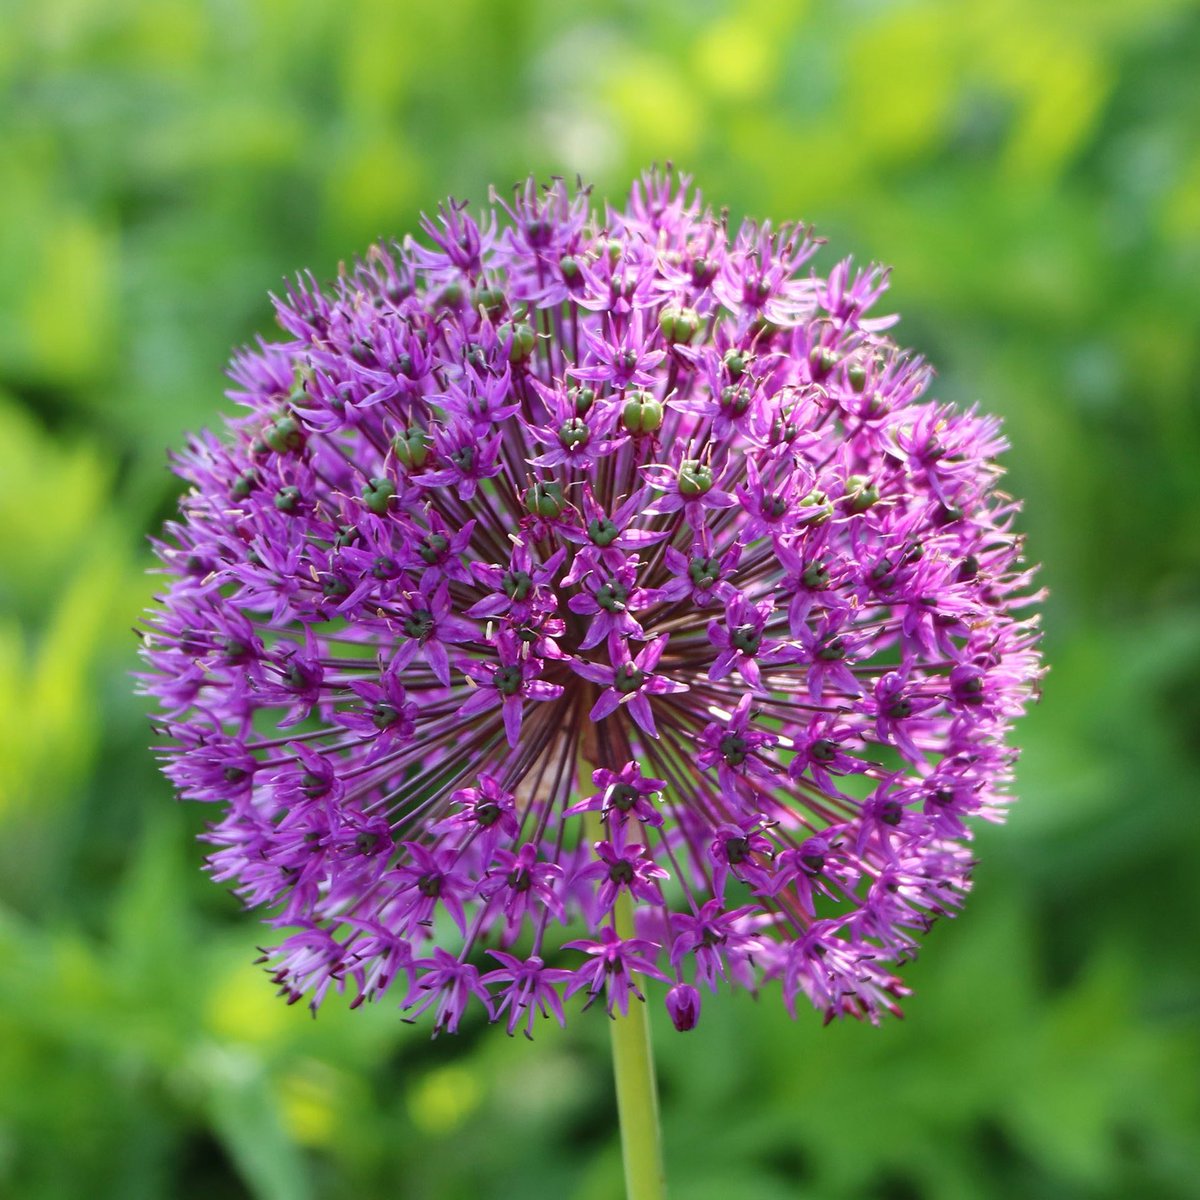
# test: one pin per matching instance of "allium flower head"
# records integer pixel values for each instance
(567, 561)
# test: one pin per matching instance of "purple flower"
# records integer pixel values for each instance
(621, 866)
(529, 988)
(510, 681)
(629, 680)
(624, 793)
(558, 564)
(614, 961)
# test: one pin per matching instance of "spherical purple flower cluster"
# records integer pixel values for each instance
(573, 564)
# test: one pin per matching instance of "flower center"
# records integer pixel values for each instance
(418, 624)
(508, 680)
(628, 679)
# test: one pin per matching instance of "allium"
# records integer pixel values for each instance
(570, 563)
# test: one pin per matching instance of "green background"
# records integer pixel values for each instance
(1031, 169)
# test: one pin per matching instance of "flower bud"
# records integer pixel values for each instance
(735, 400)
(545, 500)
(736, 362)
(683, 1003)
(287, 500)
(411, 447)
(244, 484)
(521, 339)
(573, 432)
(582, 398)
(695, 477)
(491, 300)
(602, 532)
(815, 577)
(822, 360)
(450, 296)
(517, 584)
(819, 510)
(861, 493)
(678, 325)
(377, 493)
(284, 436)
(642, 414)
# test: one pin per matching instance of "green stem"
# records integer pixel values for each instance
(637, 1095)
(633, 1059)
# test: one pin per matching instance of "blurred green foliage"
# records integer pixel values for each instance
(1033, 173)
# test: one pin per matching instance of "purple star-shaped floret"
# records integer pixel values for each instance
(629, 681)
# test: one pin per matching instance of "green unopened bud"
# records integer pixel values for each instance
(735, 400)
(517, 584)
(573, 432)
(704, 271)
(642, 414)
(734, 750)
(287, 500)
(508, 680)
(822, 360)
(582, 398)
(411, 447)
(523, 340)
(823, 751)
(244, 484)
(491, 300)
(450, 296)
(284, 436)
(833, 650)
(570, 268)
(736, 362)
(695, 477)
(704, 571)
(817, 508)
(861, 493)
(628, 678)
(745, 638)
(856, 377)
(762, 330)
(815, 577)
(612, 596)
(603, 532)
(377, 493)
(678, 325)
(433, 548)
(611, 247)
(545, 500)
